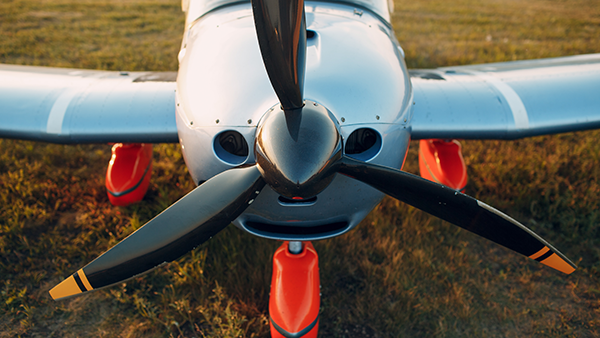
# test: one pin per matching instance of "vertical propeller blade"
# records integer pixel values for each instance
(458, 209)
(187, 223)
(281, 31)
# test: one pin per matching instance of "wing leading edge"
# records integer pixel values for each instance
(86, 106)
(507, 100)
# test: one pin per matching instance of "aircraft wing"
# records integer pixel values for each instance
(507, 100)
(86, 106)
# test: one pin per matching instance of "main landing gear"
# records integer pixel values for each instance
(128, 174)
(295, 291)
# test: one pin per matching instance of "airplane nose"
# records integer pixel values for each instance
(296, 150)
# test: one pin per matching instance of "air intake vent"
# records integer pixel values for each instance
(231, 147)
(363, 144)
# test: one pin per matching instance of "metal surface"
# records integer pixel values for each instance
(82, 106)
(507, 100)
(295, 150)
(450, 205)
(281, 31)
(295, 247)
(354, 68)
(344, 200)
(184, 225)
(187, 223)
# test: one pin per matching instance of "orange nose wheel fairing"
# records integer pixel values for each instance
(128, 174)
(441, 161)
(295, 291)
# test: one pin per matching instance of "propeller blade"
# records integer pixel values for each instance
(459, 209)
(187, 223)
(281, 31)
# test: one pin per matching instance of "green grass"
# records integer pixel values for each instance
(399, 273)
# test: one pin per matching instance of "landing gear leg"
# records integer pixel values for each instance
(295, 291)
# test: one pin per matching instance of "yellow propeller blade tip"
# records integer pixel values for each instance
(555, 262)
(549, 258)
(66, 288)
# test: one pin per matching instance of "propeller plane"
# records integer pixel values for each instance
(294, 118)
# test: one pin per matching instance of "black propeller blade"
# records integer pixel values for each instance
(187, 223)
(281, 31)
(457, 208)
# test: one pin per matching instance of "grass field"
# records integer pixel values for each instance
(400, 273)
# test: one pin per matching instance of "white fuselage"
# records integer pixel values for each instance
(354, 67)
